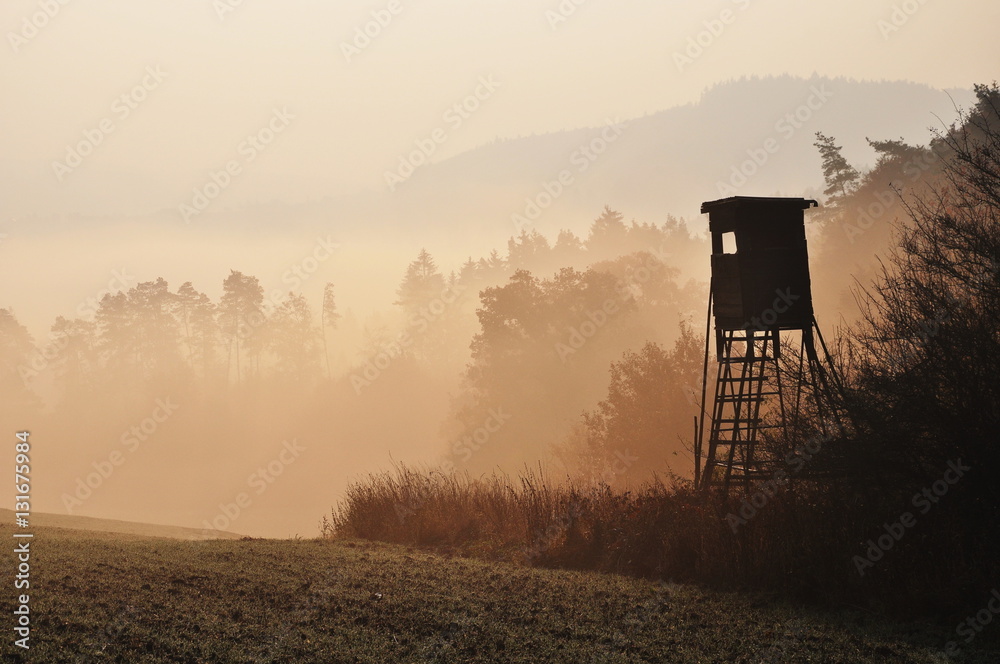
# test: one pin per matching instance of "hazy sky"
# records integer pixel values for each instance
(213, 72)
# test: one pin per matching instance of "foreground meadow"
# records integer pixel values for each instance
(100, 597)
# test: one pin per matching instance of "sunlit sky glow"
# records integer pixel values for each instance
(226, 70)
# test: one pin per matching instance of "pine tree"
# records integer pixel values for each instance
(196, 313)
(608, 234)
(840, 176)
(292, 338)
(421, 284)
(328, 318)
(79, 369)
(16, 351)
(240, 313)
(529, 251)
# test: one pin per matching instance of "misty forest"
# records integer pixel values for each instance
(421, 438)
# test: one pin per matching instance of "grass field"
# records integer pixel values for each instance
(100, 597)
(115, 526)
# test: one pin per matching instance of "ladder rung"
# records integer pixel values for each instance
(759, 424)
(726, 398)
(738, 472)
(756, 469)
(744, 429)
(744, 443)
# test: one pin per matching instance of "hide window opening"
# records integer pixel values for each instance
(729, 243)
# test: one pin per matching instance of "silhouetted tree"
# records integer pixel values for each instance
(292, 338)
(529, 251)
(568, 249)
(608, 235)
(421, 284)
(493, 269)
(468, 272)
(150, 307)
(197, 315)
(540, 347)
(895, 151)
(78, 366)
(241, 316)
(840, 176)
(928, 350)
(16, 350)
(138, 334)
(117, 345)
(646, 412)
(328, 320)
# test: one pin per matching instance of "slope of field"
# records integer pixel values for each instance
(114, 526)
(98, 597)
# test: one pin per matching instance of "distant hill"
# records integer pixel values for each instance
(114, 526)
(671, 161)
(664, 163)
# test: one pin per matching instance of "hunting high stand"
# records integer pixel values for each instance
(760, 288)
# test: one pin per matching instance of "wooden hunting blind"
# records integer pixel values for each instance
(760, 287)
(770, 262)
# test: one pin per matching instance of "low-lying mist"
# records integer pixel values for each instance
(241, 383)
